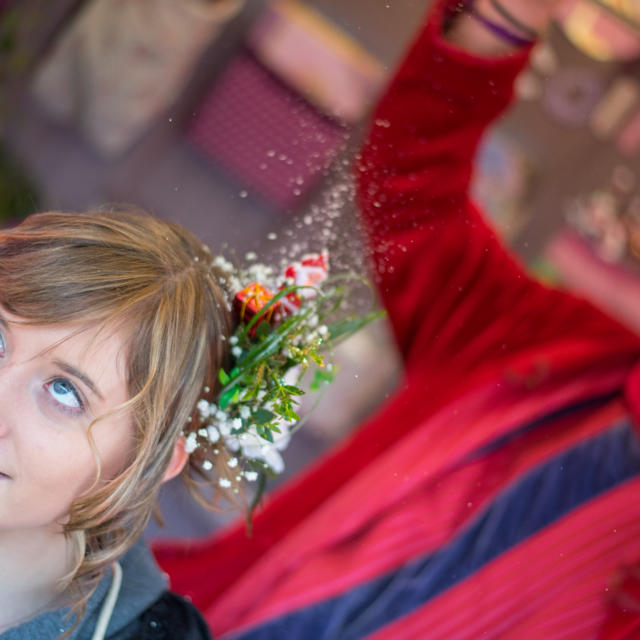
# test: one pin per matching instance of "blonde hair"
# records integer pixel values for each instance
(155, 277)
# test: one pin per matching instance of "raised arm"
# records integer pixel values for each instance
(454, 294)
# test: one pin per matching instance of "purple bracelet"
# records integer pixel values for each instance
(497, 29)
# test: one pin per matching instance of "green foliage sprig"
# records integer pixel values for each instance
(275, 364)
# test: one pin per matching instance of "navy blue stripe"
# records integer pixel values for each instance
(535, 500)
(562, 412)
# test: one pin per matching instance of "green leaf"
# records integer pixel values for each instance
(294, 391)
(263, 330)
(262, 416)
(262, 351)
(265, 433)
(250, 393)
(320, 377)
(227, 397)
(223, 377)
(346, 327)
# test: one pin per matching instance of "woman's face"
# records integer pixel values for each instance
(52, 385)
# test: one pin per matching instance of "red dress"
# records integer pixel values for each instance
(496, 495)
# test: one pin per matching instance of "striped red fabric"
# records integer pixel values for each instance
(565, 589)
(323, 559)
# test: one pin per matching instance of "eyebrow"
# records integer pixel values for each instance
(66, 367)
(71, 370)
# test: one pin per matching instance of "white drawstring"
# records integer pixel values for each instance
(109, 603)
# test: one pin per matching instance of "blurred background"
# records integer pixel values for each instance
(239, 119)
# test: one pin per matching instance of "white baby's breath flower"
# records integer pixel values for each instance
(234, 285)
(232, 443)
(191, 443)
(236, 351)
(223, 264)
(254, 447)
(251, 476)
(204, 408)
(203, 432)
(232, 462)
(273, 458)
(213, 435)
(226, 268)
(207, 465)
(233, 340)
(236, 423)
(245, 411)
(224, 483)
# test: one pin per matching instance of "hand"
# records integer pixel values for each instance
(469, 34)
(535, 14)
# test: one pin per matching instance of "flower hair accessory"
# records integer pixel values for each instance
(285, 327)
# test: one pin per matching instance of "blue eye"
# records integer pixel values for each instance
(64, 393)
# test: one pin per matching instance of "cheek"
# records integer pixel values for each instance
(115, 442)
(56, 465)
(70, 465)
(53, 471)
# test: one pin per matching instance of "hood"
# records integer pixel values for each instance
(142, 584)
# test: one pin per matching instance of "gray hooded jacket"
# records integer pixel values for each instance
(142, 584)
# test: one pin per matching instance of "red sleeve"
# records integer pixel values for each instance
(455, 296)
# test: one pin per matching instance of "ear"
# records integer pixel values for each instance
(179, 458)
